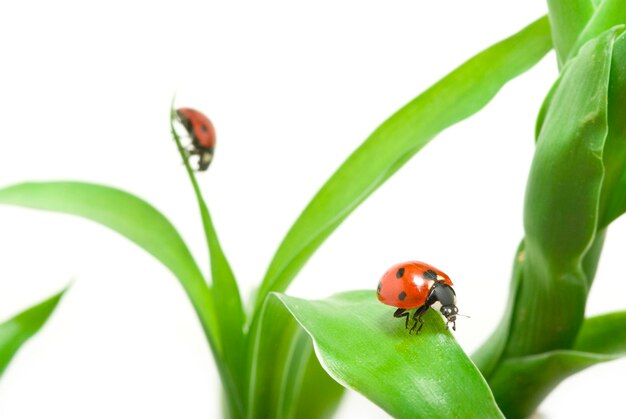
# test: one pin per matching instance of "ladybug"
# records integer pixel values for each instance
(418, 285)
(202, 134)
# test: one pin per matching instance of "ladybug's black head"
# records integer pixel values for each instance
(450, 312)
(444, 295)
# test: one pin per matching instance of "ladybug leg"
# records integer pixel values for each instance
(401, 312)
(417, 316)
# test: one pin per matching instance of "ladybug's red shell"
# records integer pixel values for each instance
(199, 128)
(407, 285)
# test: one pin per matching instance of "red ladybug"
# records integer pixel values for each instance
(202, 135)
(418, 285)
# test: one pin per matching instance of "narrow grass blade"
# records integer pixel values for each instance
(362, 346)
(16, 331)
(227, 297)
(457, 96)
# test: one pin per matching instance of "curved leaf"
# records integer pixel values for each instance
(16, 331)
(521, 384)
(457, 96)
(134, 219)
(319, 394)
(363, 347)
(604, 334)
(142, 224)
(286, 380)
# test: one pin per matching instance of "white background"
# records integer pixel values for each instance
(292, 89)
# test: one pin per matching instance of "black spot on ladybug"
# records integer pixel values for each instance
(402, 296)
(400, 273)
(203, 128)
(430, 274)
(380, 287)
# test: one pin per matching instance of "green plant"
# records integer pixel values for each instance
(575, 190)
(20, 328)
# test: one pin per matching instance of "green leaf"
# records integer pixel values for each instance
(142, 224)
(608, 14)
(286, 378)
(489, 354)
(363, 347)
(319, 394)
(521, 384)
(541, 116)
(228, 302)
(561, 205)
(604, 334)
(613, 198)
(457, 96)
(567, 20)
(134, 219)
(16, 331)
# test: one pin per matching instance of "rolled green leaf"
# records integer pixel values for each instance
(613, 198)
(16, 331)
(457, 96)
(361, 345)
(489, 355)
(561, 205)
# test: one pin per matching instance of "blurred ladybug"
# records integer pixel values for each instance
(202, 135)
(418, 285)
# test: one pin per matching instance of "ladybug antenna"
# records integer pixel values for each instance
(463, 315)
